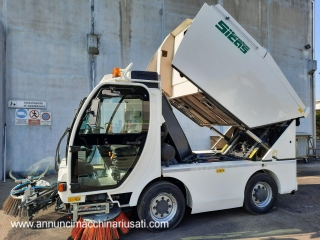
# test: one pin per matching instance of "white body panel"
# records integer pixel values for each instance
(285, 146)
(180, 86)
(209, 190)
(250, 86)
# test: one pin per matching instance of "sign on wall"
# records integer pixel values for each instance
(21, 117)
(26, 104)
(45, 118)
(32, 117)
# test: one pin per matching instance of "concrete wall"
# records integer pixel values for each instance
(47, 59)
(2, 98)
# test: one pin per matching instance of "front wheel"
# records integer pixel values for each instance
(161, 206)
(260, 194)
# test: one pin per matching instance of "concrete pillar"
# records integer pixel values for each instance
(2, 98)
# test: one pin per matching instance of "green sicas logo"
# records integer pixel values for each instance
(224, 28)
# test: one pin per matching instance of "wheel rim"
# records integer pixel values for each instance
(163, 207)
(261, 194)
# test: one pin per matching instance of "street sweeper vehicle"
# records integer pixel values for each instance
(125, 147)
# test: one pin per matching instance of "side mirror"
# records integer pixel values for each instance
(94, 112)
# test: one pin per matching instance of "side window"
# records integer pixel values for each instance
(110, 138)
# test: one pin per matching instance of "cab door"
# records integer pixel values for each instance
(110, 138)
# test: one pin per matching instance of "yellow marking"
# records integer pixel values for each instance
(253, 152)
(224, 148)
(220, 170)
(300, 110)
(74, 199)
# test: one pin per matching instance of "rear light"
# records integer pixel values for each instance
(62, 187)
(116, 72)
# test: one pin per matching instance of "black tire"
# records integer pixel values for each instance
(260, 194)
(161, 202)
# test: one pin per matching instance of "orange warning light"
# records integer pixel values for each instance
(62, 187)
(116, 72)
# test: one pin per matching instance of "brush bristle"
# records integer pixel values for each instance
(107, 232)
(7, 203)
(77, 230)
(114, 233)
(123, 223)
(85, 234)
(103, 231)
(11, 207)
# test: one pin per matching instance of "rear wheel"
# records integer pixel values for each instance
(161, 206)
(260, 194)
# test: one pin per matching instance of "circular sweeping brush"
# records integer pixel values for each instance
(12, 205)
(20, 193)
(101, 226)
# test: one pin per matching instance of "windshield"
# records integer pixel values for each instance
(122, 114)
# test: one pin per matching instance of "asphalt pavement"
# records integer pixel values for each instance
(294, 217)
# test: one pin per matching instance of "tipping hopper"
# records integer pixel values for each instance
(217, 74)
